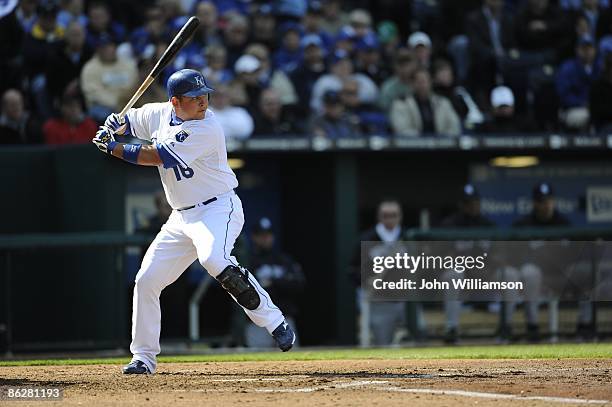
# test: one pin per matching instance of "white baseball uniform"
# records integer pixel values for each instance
(207, 218)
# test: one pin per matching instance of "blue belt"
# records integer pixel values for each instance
(211, 200)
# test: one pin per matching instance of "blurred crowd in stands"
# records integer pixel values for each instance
(320, 68)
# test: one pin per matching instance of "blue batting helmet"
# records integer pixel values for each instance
(187, 82)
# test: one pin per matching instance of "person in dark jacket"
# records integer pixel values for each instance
(278, 274)
(272, 118)
(468, 215)
(385, 318)
(66, 61)
(600, 101)
(530, 270)
(491, 37)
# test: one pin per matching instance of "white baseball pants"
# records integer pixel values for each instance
(208, 233)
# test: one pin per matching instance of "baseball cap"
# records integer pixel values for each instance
(367, 42)
(470, 193)
(346, 33)
(311, 39)
(360, 17)
(387, 30)
(315, 7)
(541, 191)
(264, 9)
(339, 55)
(187, 82)
(291, 26)
(502, 96)
(263, 225)
(247, 64)
(586, 39)
(419, 38)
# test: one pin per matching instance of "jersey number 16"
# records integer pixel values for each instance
(185, 172)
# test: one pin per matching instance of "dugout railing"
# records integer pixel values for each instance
(64, 291)
(416, 320)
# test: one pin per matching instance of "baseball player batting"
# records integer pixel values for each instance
(188, 149)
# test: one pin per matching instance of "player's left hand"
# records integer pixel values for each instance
(104, 137)
(114, 122)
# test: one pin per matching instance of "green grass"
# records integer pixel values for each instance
(562, 351)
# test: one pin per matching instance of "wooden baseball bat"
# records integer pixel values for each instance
(175, 46)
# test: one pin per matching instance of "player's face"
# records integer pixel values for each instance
(192, 108)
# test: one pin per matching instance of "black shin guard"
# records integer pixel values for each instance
(235, 280)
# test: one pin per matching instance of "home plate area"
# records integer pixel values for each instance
(340, 382)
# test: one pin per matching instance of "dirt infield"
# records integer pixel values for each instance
(328, 383)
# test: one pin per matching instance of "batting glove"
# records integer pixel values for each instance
(114, 122)
(104, 140)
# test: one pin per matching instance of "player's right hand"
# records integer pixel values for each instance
(103, 139)
(114, 122)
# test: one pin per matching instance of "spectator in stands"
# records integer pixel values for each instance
(369, 119)
(444, 85)
(341, 68)
(71, 11)
(274, 119)
(290, 10)
(333, 16)
(26, 14)
(107, 79)
(420, 45)
(345, 40)
(503, 118)
(540, 28)
(582, 28)
(66, 62)
(311, 69)
(277, 273)
(334, 123)
(263, 25)
(101, 25)
(245, 88)
(235, 37)
(399, 86)
(368, 59)
(312, 23)
(152, 32)
(156, 92)
(17, 125)
(11, 32)
(592, 10)
(574, 80)
(490, 34)
(155, 222)
(451, 32)
(46, 34)
(360, 22)
(72, 126)
(216, 70)
(236, 122)
(600, 105)
(274, 78)
(388, 36)
(289, 54)
(467, 215)
(424, 112)
(208, 31)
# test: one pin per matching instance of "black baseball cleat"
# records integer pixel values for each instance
(284, 336)
(136, 367)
